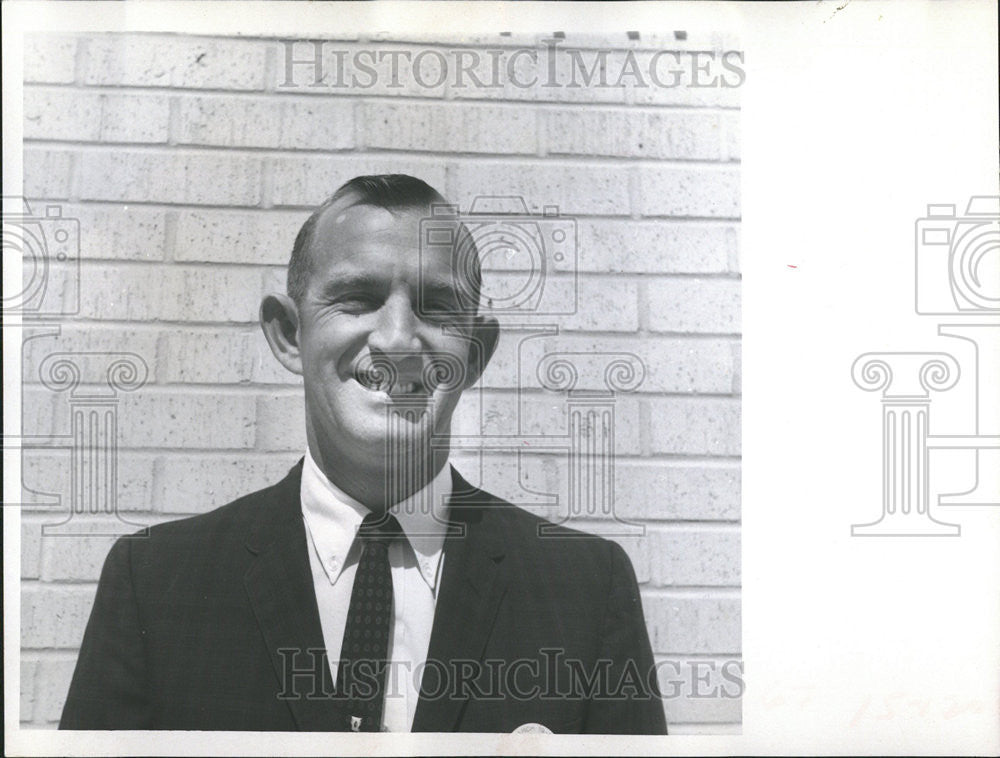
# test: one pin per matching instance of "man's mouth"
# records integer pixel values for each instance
(380, 380)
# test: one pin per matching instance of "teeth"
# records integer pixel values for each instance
(400, 389)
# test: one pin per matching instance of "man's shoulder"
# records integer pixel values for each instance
(525, 531)
(230, 522)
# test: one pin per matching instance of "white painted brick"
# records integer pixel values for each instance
(54, 677)
(670, 365)
(607, 304)
(226, 237)
(281, 423)
(225, 357)
(699, 690)
(572, 189)
(39, 410)
(51, 472)
(695, 305)
(734, 250)
(696, 557)
(613, 246)
(549, 416)
(189, 484)
(693, 625)
(647, 491)
(135, 118)
(54, 616)
(74, 558)
(690, 192)
(46, 173)
(353, 70)
(176, 177)
(194, 357)
(732, 131)
(49, 58)
(31, 549)
(494, 418)
(266, 122)
(60, 296)
(512, 297)
(585, 76)
(275, 280)
(700, 366)
(173, 293)
(514, 478)
(155, 419)
(628, 75)
(167, 61)
(60, 114)
(310, 181)
(737, 368)
(694, 426)
(119, 232)
(670, 78)
(450, 128)
(29, 671)
(88, 339)
(677, 135)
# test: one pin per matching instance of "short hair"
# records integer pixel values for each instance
(393, 192)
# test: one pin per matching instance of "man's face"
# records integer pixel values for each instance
(378, 332)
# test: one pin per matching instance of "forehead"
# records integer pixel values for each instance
(364, 243)
(350, 233)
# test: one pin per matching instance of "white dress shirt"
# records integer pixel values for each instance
(332, 519)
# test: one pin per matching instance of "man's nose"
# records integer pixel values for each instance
(396, 328)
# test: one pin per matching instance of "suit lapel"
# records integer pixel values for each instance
(280, 588)
(472, 586)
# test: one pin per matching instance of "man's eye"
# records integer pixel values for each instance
(358, 302)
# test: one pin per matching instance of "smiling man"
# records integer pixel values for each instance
(373, 589)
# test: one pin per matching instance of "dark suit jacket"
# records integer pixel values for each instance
(211, 622)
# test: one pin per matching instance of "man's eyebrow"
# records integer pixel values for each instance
(352, 282)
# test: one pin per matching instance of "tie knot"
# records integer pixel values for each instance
(379, 527)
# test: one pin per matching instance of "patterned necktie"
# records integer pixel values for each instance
(361, 672)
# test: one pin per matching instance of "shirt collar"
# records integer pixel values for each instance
(332, 519)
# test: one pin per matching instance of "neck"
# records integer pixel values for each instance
(379, 486)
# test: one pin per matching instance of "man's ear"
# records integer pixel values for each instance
(484, 338)
(279, 318)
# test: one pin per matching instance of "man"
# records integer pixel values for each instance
(373, 588)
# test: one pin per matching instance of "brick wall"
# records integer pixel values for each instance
(190, 163)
